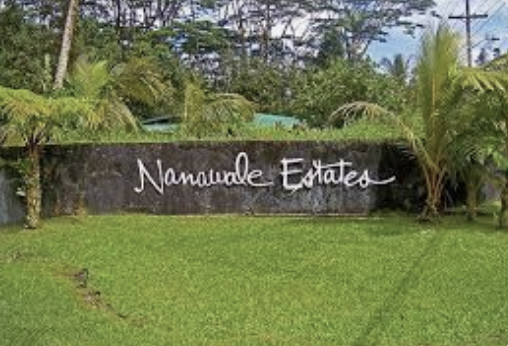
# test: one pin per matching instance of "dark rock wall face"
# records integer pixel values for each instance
(11, 206)
(11, 198)
(219, 178)
(236, 177)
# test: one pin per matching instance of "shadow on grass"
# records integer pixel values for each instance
(400, 224)
(486, 224)
(382, 316)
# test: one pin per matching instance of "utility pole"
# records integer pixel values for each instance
(468, 17)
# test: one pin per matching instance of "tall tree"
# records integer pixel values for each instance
(362, 22)
(65, 48)
(265, 28)
(26, 48)
(398, 68)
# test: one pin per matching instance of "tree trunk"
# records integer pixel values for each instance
(430, 212)
(65, 48)
(503, 217)
(434, 183)
(33, 187)
(474, 177)
(471, 199)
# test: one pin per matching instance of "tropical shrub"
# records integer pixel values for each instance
(344, 82)
(443, 86)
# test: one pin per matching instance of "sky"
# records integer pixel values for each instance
(495, 26)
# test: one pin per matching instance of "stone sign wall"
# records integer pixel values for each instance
(11, 206)
(235, 177)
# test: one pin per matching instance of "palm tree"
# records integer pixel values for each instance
(470, 165)
(499, 125)
(437, 72)
(63, 59)
(492, 120)
(484, 144)
(398, 68)
(487, 141)
(442, 86)
(205, 113)
(111, 88)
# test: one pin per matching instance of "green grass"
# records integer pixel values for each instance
(255, 281)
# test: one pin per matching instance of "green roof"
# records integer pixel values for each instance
(260, 119)
(273, 119)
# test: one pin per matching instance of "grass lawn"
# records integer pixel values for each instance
(254, 281)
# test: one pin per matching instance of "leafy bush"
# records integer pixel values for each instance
(271, 87)
(343, 82)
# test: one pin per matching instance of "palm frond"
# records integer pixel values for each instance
(89, 79)
(213, 113)
(32, 117)
(483, 81)
(410, 134)
(139, 79)
(230, 108)
(498, 64)
(438, 64)
(116, 114)
(348, 113)
(193, 102)
(108, 90)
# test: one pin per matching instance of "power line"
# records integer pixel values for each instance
(491, 16)
(448, 9)
(486, 9)
(477, 9)
(488, 40)
(434, 13)
(469, 17)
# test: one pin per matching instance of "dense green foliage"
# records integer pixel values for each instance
(484, 142)
(253, 281)
(273, 88)
(236, 47)
(24, 61)
(342, 82)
